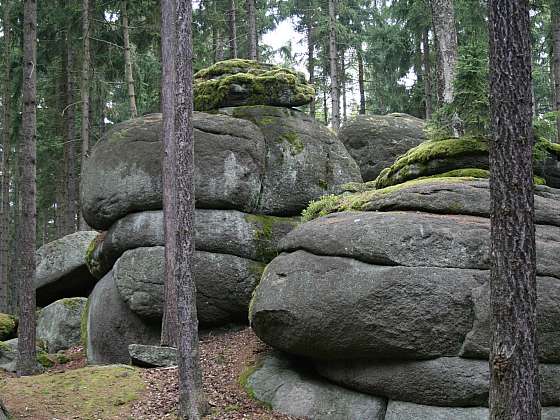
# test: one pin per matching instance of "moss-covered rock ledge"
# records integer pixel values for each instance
(245, 82)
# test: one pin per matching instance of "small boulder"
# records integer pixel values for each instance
(245, 82)
(58, 325)
(152, 356)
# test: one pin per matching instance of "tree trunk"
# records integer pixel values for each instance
(26, 362)
(427, 73)
(361, 84)
(85, 90)
(71, 205)
(335, 93)
(169, 330)
(555, 23)
(325, 107)
(252, 28)
(190, 376)
(232, 30)
(311, 61)
(514, 383)
(6, 149)
(343, 85)
(128, 62)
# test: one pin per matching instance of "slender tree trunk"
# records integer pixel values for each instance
(71, 206)
(232, 30)
(215, 43)
(335, 92)
(84, 90)
(6, 149)
(427, 73)
(26, 362)
(361, 84)
(191, 399)
(325, 107)
(128, 62)
(555, 23)
(343, 85)
(311, 60)
(252, 29)
(514, 383)
(169, 328)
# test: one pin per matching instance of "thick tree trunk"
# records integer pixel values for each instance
(311, 60)
(555, 23)
(427, 68)
(335, 92)
(26, 362)
(361, 84)
(6, 149)
(252, 29)
(514, 387)
(190, 376)
(128, 62)
(169, 330)
(232, 25)
(71, 205)
(86, 59)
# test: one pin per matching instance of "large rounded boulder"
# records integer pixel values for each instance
(375, 141)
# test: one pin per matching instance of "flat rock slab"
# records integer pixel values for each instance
(61, 268)
(399, 410)
(291, 389)
(152, 356)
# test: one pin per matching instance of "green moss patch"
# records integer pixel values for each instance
(8, 327)
(101, 392)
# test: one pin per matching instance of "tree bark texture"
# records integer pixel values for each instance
(514, 383)
(335, 91)
(555, 23)
(84, 88)
(190, 376)
(26, 361)
(128, 62)
(361, 84)
(169, 328)
(427, 73)
(311, 60)
(252, 29)
(232, 25)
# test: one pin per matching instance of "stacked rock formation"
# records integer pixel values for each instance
(388, 295)
(257, 167)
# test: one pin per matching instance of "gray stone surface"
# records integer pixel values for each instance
(333, 307)
(551, 413)
(61, 268)
(291, 389)
(453, 196)
(224, 284)
(446, 381)
(152, 356)
(375, 141)
(477, 342)
(399, 410)
(232, 232)
(112, 326)
(413, 240)
(262, 160)
(58, 325)
(550, 171)
(8, 352)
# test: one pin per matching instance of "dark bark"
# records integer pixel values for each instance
(232, 25)
(427, 70)
(343, 85)
(70, 146)
(191, 399)
(514, 387)
(26, 362)
(311, 60)
(6, 149)
(252, 29)
(169, 328)
(85, 86)
(128, 62)
(361, 84)
(555, 24)
(335, 90)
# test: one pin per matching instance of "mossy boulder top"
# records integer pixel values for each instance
(8, 326)
(245, 82)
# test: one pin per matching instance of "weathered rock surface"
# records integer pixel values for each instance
(399, 410)
(375, 141)
(446, 381)
(244, 82)
(262, 160)
(291, 389)
(414, 240)
(58, 325)
(8, 353)
(112, 326)
(152, 356)
(224, 284)
(232, 232)
(61, 268)
(333, 307)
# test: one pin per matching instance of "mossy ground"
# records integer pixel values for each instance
(101, 392)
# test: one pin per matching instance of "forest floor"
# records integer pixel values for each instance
(76, 391)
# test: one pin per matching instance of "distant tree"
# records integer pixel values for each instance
(128, 61)
(555, 24)
(191, 399)
(85, 87)
(26, 362)
(252, 29)
(333, 60)
(514, 383)
(232, 26)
